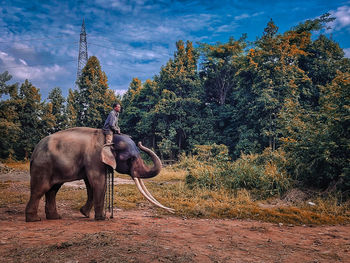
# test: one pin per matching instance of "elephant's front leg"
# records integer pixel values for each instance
(85, 210)
(98, 184)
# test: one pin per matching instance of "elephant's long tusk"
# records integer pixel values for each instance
(150, 195)
(151, 198)
(137, 182)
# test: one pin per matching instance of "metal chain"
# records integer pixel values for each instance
(112, 191)
(106, 191)
(109, 194)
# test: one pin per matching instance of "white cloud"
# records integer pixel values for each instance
(69, 31)
(122, 6)
(23, 62)
(245, 15)
(347, 52)
(120, 92)
(242, 16)
(38, 73)
(342, 15)
(18, 45)
(19, 68)
(6, 59)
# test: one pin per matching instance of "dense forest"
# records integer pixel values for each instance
(287, 94)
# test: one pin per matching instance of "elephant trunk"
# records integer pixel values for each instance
(140, 170)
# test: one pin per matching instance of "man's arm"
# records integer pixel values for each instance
(113, 123)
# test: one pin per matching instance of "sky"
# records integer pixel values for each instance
(39, 40)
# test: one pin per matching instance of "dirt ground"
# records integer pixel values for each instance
(142, 235)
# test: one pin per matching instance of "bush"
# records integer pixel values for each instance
(318, 141)
(210, 167)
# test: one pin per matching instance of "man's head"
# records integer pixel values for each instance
(116, 107)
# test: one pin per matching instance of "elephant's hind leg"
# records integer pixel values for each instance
(50, 204)
(36, 193)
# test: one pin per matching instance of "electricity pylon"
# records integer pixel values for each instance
(83, 54)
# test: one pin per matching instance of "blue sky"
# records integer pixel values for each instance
(39, 40)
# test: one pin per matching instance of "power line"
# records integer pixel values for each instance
(33, 39)
(67, 61)
(112, 41)
(75, 42)
(128, 51)
(25, 48)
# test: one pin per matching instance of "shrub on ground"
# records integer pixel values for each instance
(210, 167)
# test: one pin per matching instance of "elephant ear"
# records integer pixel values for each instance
(108, 157)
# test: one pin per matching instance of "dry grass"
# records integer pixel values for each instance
(22, 166)
(167, 174)
(13, 193)
(76, 197)
(169, 188)
(224, 204)
(170, 174)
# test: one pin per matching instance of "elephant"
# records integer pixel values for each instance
(80, 153)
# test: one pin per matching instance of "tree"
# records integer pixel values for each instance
(220, 65)
(56, 103)
(323, 59)
(317, 141)
(180, 74)
(29, 109)
(131, 113)
(9, 119)
(335, 110)
(5, 88)
(138, 115)
(266, 79)
(71, 110)
(94, 99)
(133, 89)
(179, 110)
(24, 120)
(48, 122)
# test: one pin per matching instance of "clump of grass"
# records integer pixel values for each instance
(76, 197)
(13, 193)
(167, 174)
(210, 167)
(126, 196)
(170, 174)
(329, 206)
(17, 165)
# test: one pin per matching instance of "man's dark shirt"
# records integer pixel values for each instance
(111, 123)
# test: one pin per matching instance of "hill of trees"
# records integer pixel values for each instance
(287, 92)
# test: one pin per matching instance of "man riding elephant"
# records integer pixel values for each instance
(110, 126)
